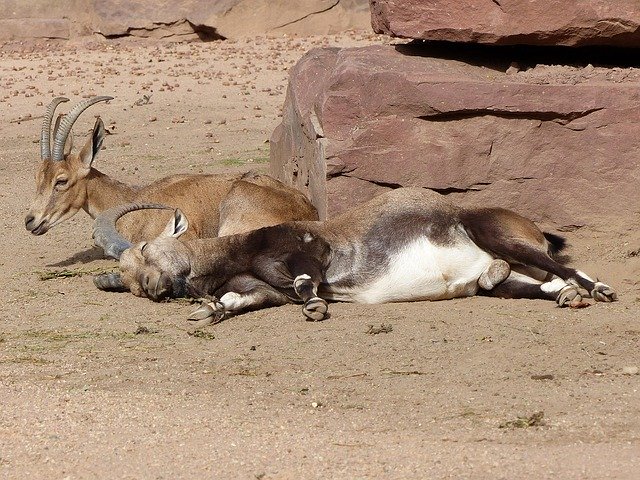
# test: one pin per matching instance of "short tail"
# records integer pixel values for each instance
(556, 242)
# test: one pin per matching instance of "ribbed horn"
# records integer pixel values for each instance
(45, 134)
(67, 122)
(110, 282)
(105, 233)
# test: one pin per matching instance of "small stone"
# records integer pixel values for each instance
(629, 370)
(513, 68)
(545, 376)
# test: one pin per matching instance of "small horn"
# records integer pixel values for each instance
(105, 233)
(110, 282)
(45, 134)
(67, 122)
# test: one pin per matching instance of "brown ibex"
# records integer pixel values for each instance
(216, 204)
(408, 244)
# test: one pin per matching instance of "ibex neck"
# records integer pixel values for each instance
(214, 261)
(104, 192)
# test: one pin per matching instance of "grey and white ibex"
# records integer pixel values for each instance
(215, 204)
(408, 244)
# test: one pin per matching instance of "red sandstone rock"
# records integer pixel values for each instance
(559, 144)
(531, 22)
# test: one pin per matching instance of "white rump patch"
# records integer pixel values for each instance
(424, 271)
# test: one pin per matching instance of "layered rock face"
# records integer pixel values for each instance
(178, 20)
(530, 22)
(558, 144)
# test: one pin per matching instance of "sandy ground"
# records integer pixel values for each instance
(98, 385)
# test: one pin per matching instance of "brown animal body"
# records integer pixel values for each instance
(405, 245)
(215, 204)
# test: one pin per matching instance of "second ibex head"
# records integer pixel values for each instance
(59, 190)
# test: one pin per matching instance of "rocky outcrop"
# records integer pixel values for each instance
(530, 22)
(184, 20)
(158, 19)
(39, 19)
(306, 17)
(558, 144)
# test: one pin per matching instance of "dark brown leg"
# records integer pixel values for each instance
(240, 294)
(314, 307)
(521, 286)
(518, 241)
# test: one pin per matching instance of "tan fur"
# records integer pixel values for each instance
(261, 201)
(252, 202)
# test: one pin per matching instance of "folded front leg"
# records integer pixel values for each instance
(314, 307)
(240, 294)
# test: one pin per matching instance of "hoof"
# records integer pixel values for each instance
(568, 296)
(204, 311)
(603, 293)
(315, 309)
(497, 273)
(213, 311)
(203, 323)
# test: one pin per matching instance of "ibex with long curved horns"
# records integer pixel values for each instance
(405, 245)
(216, 204)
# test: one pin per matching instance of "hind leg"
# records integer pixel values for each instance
(527, 255)
(521, 286)
(600, 292)
(517, 240)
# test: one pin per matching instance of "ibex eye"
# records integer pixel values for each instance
(61, 182)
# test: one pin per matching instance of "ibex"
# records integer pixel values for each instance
(408, 244)
(216, 204)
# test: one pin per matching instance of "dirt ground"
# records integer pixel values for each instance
(99, 385)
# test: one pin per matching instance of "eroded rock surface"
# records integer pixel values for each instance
(530, 22)
(184, 20)
(558, 144)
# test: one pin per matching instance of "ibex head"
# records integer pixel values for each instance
(60, 192)
(155, 269)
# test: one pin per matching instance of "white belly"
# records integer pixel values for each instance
(423, 271)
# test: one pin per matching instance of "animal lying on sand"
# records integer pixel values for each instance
(408, 244)
(67, 182)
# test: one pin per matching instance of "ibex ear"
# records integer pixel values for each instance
(177, 225)
(94, 144)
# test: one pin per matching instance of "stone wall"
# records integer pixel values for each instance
(539, 130)
(511, 22)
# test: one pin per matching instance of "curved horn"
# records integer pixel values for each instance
(105, 233)
(110, 282)
(67, 122)
(45, 134)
